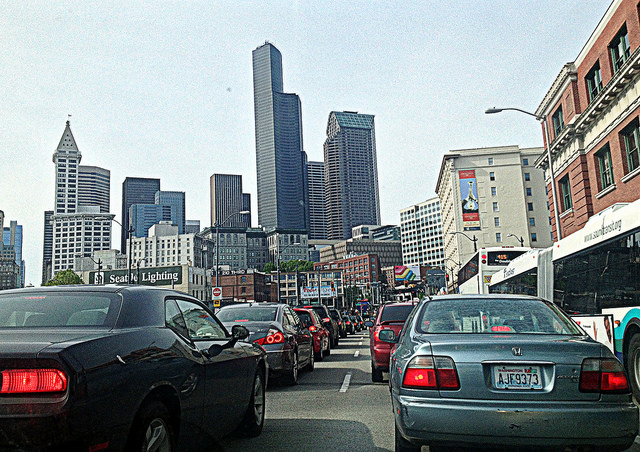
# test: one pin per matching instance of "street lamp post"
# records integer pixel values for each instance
(138, 268)
(519, 239)
(542, 119)
(99, 264)
(474, 239)
(217, 225)
(130, 231)
(452, 270)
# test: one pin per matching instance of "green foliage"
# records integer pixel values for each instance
(269, 267)
(64, 278)
(296, 265)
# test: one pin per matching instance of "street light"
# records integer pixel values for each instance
(217, 226)
(474, 239)
(138, 265)
(98, 280)
(278, 267)
(519, 239)
(543, 119)
(130, 231)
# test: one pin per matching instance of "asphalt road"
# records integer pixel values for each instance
(334, 408)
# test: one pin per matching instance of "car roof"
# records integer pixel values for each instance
(254, 305)
(110, 288)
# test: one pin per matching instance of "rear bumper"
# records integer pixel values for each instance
(380, 354)
(278, 359)
(516, 424)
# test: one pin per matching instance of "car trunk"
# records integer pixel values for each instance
(496, 367)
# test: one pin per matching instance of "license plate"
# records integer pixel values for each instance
(517, 377)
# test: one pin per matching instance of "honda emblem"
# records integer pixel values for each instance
(517, 351)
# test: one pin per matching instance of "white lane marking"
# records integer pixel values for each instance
(345, 383)
(355, 355)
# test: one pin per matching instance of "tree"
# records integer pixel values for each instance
(64, 278)
(296, 265)
(269, 267)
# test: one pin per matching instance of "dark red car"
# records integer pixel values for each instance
(390, 316)
(320, 334)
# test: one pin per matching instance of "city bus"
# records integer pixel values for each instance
(594, 274)
(475, 275)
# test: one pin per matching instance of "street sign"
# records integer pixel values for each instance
(216, 303)
(217, 293)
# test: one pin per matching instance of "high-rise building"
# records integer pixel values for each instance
(176, 201)
(94, 187)
(47, 246)
(280, 158)
(227, 200)
(421, 234)
(12, 237)
(351, 173)
(77, 230)
(143, 216)
(135, 190)
(317, 210)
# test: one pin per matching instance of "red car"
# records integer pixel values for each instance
(390, 316)
(320, 334)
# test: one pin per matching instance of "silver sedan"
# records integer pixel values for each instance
(505, 371)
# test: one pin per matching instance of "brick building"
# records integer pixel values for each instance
(244, 285)
(590, 115)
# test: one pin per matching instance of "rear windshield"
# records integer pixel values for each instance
(305, 317)
(510, 316)
(247, 314)
(71, 309)
(398, 313)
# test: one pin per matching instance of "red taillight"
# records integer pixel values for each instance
(339, 323)
(273, 337)
(431, 372)
(603, 375)
(312, 328)
(19, 381)
(326, 320)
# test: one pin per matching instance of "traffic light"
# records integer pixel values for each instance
(446, 277)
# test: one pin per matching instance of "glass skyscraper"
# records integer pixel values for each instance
(135, 190)
(280, 158)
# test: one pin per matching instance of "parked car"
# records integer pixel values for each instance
(117, 367)
(391, 316)
(335, 315)
(279, 331)
(328, 321)
(505, 371)
(320, 334)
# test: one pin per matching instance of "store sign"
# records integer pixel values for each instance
(312, 292)
(155, 276)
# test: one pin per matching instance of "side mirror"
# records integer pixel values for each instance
(239, 332)
(369, 323)
(388, 336)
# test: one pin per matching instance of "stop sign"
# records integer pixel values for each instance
(217, 292)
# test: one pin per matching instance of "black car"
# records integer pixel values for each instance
(329, 322)
(120, 367)
(278, 330)
(335, 315)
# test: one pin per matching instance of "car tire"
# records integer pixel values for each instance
(337, 340)
(633, 365)
(254, 417)
(291, 378)
(327, 352)
(312, 361)
(376, 374)
(152, 429)
(320, 354)
(402, 445)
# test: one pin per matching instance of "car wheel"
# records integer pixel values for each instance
(402, 445)
(152, 429)
(327, 352)
(376, 374)
(312, 360)
(292, 377)
(254, 418)
(337, 340)
(320, 355)
(633, 365)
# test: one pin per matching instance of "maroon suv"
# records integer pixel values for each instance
(390, 316)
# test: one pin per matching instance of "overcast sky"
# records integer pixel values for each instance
(164, 89)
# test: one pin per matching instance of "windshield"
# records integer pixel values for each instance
(528, 316)
(247, 314)
(62, 309)
(392, 313)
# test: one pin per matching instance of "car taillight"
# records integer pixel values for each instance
(339, 323)
(312, 328)
(431, 372)
(273, 337)
(326, 320)
(20, 381)
(603, 375)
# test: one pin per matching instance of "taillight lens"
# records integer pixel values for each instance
(21, 381)
(603, 375)
(431, 372)
(273, 337)
(312, 328)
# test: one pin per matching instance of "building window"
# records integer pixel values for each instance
(494, 191)
(496, 221)
(532, 221)
(530, 206)
(534, 237)
(490, 161)
(527, 177)
(498, 237)
(528, 191)
(525, 162)
(631, 137)
(603, 157)
(619, 49)
(495, 207)
(492, 176)
(558, 121)
(565, 192)
(594, 81)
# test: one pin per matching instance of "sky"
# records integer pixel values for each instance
(164, 89)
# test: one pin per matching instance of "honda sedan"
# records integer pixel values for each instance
(505, 371)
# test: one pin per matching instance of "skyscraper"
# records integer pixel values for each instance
(317, 209)
(227, 199)
(47, 246)
(12, 237)
(351, 173)
(135, 190)
(176, 201)
(94, 187)
(143, 216)
(280, 158)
